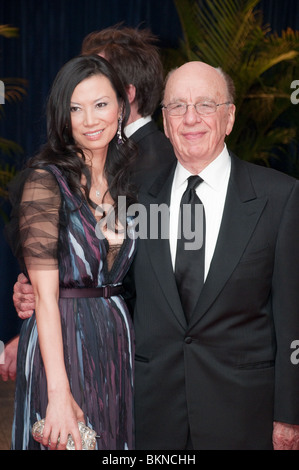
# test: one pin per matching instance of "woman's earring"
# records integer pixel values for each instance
(119, 136)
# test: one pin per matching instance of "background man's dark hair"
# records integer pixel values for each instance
(135, 57)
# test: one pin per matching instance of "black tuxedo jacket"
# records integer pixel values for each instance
(227, 375)
(154, 151)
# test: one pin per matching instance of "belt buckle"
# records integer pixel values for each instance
(106, 292)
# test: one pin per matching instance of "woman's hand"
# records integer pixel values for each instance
(62, 417)
(63, 413)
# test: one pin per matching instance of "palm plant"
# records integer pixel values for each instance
(231, 34)
(14, 91)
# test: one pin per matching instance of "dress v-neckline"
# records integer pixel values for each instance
(108, 274)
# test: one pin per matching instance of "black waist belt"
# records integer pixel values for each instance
(79, 292)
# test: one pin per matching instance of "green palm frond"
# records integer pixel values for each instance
(9, 147)
(8, 31)
(14, 91)
(7, 173)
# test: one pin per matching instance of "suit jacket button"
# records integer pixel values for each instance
(188, 340)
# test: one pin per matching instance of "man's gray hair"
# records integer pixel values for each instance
(230, 86)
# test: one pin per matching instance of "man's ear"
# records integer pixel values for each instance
(231, 119)
(131, 92)
(165, 123)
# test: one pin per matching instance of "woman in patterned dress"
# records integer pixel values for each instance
(75, 357)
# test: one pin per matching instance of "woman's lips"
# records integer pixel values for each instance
(93, 134)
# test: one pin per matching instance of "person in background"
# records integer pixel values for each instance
(76, 353)
(8, 359)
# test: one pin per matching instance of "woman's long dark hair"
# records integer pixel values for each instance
(61, 149)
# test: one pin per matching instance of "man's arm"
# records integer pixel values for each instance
(285, 302)
(23, 297)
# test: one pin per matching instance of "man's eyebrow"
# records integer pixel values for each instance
(199, 98)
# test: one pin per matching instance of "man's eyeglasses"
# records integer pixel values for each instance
(203, 108)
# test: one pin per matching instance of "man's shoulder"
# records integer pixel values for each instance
(262, 172)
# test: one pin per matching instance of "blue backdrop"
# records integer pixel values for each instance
(51, 32)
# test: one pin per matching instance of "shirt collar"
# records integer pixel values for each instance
(215, 174)
(134, 126)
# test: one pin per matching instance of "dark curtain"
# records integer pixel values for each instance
(280, 14)
(51, 32)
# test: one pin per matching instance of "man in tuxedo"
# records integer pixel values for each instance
(135, 57)
(218, 373)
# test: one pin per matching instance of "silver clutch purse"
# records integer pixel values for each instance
(88, 436)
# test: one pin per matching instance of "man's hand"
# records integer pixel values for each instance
(285, 436)
(23, 297)
(8, 366)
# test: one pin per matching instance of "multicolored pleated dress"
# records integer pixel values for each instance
(56, 228)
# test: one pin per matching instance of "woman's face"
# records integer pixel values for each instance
(94, 111)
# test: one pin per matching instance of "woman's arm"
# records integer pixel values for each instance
(63, 413)
(39, 222)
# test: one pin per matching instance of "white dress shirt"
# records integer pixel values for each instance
(212, 192)
(134, 126)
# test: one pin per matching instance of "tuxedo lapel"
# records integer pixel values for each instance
(241, 213)
(158, 248)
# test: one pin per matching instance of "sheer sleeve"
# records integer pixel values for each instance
(38, 221)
